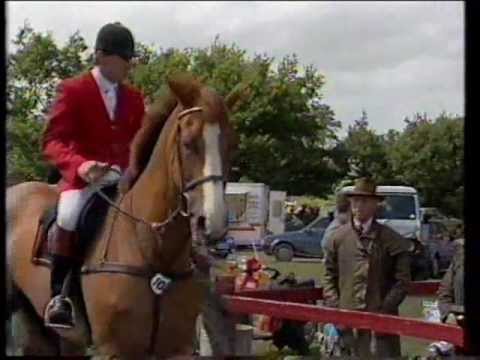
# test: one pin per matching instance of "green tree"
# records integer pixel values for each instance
(429, 155)
(287, 133)
(367, 152)
(33, 72)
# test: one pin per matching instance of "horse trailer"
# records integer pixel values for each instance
(253, 212)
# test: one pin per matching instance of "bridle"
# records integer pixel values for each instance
(183, 197)
(186, 188)
(159, 282)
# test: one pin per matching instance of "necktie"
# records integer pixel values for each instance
(110, 102)
(117, 102)
(365, 243)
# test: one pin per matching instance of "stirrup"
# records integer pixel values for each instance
(46, 316)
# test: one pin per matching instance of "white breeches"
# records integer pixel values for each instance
(71, 202)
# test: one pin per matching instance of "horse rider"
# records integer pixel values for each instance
(90, 127)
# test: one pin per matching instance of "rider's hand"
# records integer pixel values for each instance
(127, 180)
(91, 171)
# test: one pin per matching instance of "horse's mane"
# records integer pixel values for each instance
(186, 87)
(144, 141)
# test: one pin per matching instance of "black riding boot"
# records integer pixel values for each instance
(59, 312)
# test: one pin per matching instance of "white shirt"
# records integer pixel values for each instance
(365, 225)
(108, 90)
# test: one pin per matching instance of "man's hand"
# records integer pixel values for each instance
(91, 171)
(127, 180)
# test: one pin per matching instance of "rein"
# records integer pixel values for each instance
(169, 219)
(159, 282)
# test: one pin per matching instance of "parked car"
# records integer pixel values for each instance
(451, 223)
(440, 246)
(293, 223)
(223, 248)
(306, 242)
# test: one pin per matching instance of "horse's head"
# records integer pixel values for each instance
(204, 141)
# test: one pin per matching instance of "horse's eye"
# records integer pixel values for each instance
(188, 123)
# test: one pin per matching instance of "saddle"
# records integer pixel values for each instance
(92, 217)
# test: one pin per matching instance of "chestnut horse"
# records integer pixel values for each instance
(181, 185)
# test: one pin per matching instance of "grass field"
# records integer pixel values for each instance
(312, 268)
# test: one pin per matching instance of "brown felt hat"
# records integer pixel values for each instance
(365, 187)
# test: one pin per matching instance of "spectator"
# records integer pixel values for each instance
(426, 228)
(331, 216)
(451, 298)
(450, 291)
(300, 212)
(295, 221)
(365, 254)
(308, 215)
(342, 216)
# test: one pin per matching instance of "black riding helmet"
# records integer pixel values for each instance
(116, 39)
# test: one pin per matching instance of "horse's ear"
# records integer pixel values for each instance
(185, 87)
(240, 94)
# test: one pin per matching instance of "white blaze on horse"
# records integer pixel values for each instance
(182, 166)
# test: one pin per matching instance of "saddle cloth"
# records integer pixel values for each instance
(91, 220)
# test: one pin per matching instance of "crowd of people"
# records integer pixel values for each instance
(297, 218)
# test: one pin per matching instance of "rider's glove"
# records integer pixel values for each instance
(91, 171)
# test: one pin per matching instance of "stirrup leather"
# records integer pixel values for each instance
(46, 316)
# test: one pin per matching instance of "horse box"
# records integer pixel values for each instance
(253, 210)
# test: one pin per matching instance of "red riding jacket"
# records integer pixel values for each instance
(79, 128)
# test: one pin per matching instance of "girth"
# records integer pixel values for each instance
(144, 272)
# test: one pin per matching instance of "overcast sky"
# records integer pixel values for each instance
(390, 58)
